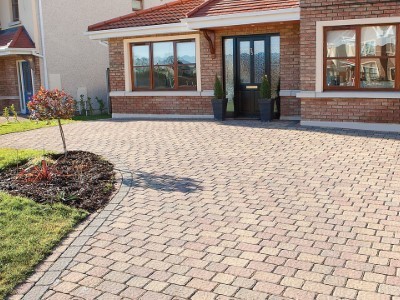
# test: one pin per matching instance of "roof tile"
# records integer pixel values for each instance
(16, 37)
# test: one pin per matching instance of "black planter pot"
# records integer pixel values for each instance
(219, 108)
(266, 109)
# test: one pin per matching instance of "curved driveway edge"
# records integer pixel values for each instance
(51, 268)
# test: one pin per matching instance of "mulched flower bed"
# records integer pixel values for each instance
(82, 180)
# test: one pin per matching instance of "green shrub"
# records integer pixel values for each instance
(218, 89)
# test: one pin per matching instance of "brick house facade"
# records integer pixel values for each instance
(356, 91)
(336, 109)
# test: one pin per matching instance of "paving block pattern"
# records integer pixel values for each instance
(238, 210)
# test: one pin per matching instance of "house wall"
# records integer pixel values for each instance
(210, 66)
(339, 109)
(151, 3)
(73, 60)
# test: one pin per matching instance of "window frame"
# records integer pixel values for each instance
(357, 28)
(14, 11)
(152, 66)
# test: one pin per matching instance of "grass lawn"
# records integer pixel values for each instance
(12, 157)
(28, 230)
(26, 125)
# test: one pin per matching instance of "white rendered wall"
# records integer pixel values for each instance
(73, 60)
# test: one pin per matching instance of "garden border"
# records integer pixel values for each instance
(48, 271)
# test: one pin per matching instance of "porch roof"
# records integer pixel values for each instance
(15, 38)
(177, 11)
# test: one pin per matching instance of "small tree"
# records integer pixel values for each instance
(265, 88)
(6, 114)
(50, 105)
(101, 104)
(14, 113)
(218, 89)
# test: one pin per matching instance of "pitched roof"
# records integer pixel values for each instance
(224, 7)
(16, 37)
(173, 12)
(168, 13)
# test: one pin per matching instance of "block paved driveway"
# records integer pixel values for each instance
(236, 211)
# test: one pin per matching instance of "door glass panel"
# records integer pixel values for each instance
(229, 74)
(275, 64)
(378, 41)
(259, 61)
(245, 62)
(378, 73)
(341, 43)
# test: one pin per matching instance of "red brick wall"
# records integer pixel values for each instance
(359, 110)
(162, 105)
(211, 65)
(351, 110)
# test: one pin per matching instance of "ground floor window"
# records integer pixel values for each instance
(169, 65)
(362, 57)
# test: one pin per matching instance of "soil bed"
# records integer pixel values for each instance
(82, 180)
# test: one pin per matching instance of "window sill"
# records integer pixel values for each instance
(350, 95)
(163, 94)
(15, 23)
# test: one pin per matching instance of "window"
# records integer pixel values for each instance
(164, 66)
(15, 10)
(362, 58)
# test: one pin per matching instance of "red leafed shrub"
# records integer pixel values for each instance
(48, 105)
(44, 172)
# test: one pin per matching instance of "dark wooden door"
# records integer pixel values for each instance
(252, 57)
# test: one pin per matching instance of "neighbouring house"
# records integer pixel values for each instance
(42, 44)
(335, 60)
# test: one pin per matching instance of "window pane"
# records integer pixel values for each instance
(229, 74)
(163, 53)
(187, 76)
(15, 10)
(164, 77)
(378, 73)
(259, 61)
(186, 52)
(141, 55)
(141, 77)
(245, 62)
(340, 72)
(341, 43)
(275, 64)
(378, 41)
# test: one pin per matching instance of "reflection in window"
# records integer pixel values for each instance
(169, 65)
(378, 73)
(340, 72)
(259, 60)
(245, 62)
(341, 43)
(370, 64)
(378, 41)
(229, 74)
(275, 64)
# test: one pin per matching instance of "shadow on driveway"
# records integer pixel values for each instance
(165, 183)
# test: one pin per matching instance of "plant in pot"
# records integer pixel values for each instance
(219, 103)
(265, 102)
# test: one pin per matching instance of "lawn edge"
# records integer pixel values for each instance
(47, 271)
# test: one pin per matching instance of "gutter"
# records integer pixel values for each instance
(46, 77)
(188, 25)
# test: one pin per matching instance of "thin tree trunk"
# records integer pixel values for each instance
(62, 137)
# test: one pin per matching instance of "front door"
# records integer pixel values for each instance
(252, 66)
(246, 60)
(26, 84)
